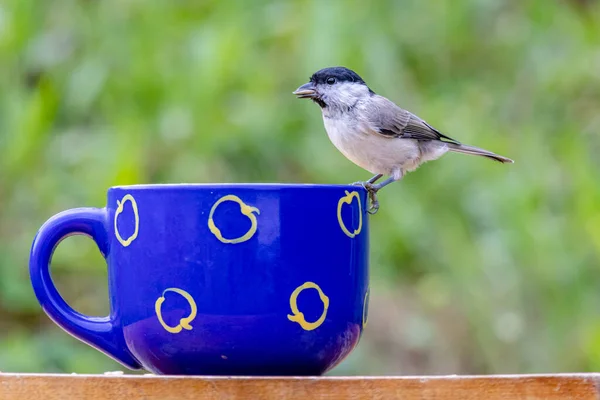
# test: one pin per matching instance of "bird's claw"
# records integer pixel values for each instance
(369, 187)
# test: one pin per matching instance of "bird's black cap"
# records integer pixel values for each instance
(341, 74)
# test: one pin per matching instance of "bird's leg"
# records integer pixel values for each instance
(374, 201)
(373, 179)
(372, 189)
(383, 184)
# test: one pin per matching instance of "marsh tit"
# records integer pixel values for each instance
(374, 133)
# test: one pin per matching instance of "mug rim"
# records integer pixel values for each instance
(235, 185)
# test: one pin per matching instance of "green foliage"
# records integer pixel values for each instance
(477, 267)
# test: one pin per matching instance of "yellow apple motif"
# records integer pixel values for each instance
(347, 199)
(297, 316)
(120, 206)
(245, 209)
(184, 323)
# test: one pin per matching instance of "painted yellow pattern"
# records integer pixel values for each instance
(347, 199)
(245, 209)
(298, 317)
(184, 323)
(365, 317)
(120, 206)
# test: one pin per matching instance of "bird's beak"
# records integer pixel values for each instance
(306, 91)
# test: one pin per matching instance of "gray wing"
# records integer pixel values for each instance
(389, 120)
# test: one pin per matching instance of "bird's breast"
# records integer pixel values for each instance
(370, 150)
(344, 135)
(362, 148)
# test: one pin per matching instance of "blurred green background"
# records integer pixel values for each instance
(477, 267)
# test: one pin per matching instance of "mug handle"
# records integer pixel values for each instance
(101, 333)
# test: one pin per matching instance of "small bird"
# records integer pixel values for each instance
(374, 133)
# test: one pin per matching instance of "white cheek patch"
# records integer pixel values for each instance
(345, 94)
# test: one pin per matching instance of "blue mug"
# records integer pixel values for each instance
(223, 279)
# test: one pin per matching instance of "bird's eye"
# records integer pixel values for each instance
(330, 81)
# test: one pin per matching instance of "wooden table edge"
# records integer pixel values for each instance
(38, 386)
(119, 375)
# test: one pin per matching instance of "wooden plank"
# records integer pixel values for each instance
(134, 387)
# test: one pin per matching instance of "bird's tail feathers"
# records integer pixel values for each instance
(476, 151)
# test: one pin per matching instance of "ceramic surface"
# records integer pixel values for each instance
(253, 279)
